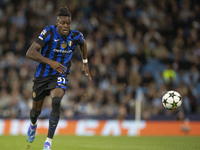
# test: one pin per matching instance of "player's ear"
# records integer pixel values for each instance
(57, 21)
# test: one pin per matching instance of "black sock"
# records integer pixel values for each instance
(54, 116)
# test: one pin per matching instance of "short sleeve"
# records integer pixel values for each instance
(80, 38)
(44, 37)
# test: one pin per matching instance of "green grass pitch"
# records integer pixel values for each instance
(102, 143)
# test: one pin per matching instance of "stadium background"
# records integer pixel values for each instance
(137, 50)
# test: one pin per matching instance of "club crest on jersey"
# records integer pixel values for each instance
(64, 45)
(34, 94)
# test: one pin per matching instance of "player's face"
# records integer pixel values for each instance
(63, 25)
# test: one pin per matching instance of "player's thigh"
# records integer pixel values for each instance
(58, 86)
(57, 92)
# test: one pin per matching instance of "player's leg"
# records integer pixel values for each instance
(36, 110)
(34, 113)
(38, 96)
(56, 95)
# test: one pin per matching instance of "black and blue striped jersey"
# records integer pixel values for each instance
(57, 48)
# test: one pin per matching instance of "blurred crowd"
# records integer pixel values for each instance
(137, 51)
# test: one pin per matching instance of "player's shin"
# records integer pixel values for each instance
(54, 116)
(34, 115)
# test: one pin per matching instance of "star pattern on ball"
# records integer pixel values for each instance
(165, 101)
(171, 95)
(180, 98)
(174, 104)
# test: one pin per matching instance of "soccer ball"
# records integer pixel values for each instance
(172, 100)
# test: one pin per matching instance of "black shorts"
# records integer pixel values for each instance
(42, 86)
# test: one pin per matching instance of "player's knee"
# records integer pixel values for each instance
(34, 113)
(56, 104)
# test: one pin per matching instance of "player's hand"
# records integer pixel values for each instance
(86, 71)
(57, 66)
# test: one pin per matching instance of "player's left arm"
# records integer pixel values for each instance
(83, 49)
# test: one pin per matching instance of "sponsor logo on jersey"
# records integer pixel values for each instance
(62, 51)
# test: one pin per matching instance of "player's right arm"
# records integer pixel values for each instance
(34, 54)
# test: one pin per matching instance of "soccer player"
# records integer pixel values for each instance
(53, 50)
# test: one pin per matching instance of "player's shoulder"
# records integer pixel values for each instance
(46, 33)
(76, 33)
(49, 28)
